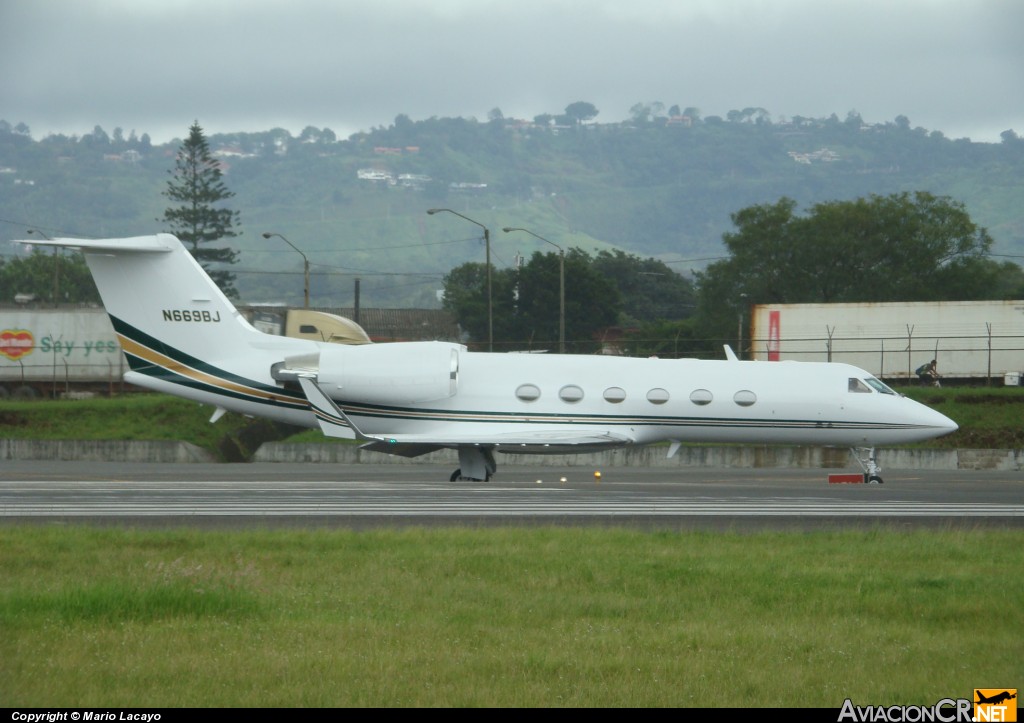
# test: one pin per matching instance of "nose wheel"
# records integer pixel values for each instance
(867, 459)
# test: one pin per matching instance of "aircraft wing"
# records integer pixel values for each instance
(335, 423)
(547, 441)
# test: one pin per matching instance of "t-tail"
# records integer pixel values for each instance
(160, 300)
(179, 332)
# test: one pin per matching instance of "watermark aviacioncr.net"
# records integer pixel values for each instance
(990, 705)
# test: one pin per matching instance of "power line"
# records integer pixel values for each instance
(355, 272)
(368, 248)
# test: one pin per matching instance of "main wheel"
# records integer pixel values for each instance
(457, 475)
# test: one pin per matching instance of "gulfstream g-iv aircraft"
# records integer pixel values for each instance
(182, 336)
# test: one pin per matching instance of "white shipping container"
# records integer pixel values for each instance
(58, 346)
(969, 339)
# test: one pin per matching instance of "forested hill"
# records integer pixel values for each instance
(662, 187)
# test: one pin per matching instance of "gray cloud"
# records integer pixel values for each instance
(154, 66)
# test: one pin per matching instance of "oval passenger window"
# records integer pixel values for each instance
(528, 392)
(570, 393)
(657, 396)
(701, 396)
(614, 395)
(744, 398)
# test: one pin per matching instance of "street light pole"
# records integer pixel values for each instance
(487, 243)
(561, 284)
(739, 329)
(305, 263)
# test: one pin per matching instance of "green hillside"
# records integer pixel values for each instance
(651, 189)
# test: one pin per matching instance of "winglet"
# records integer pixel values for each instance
(333, 422)
(730, 354)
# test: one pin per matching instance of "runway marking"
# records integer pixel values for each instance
(283, 507)
(412, 499)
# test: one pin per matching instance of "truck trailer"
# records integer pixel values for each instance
(971, 341)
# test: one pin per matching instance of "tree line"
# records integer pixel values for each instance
(900, 247)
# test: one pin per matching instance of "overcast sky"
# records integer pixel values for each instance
(155, 66)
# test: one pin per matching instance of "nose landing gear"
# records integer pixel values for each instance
(866, 458)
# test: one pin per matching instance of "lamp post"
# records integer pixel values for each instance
(487, 243)
(739, 327)
(305, 263)
(56, 266)
(561, 284)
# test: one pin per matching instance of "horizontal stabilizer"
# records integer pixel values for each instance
(160, 242)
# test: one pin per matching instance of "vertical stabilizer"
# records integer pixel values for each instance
(160, 300)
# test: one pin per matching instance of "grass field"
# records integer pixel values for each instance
(498, 617)
(505, 617)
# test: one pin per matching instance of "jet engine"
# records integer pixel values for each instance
(394, 373)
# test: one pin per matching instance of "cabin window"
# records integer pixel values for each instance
(615, 395)
(307, 329)
(528, 392)
(701, 397)
(657, 396)
(570, 393)
(744, 398)
(859, 387)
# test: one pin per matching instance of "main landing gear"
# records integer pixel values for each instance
(867, 460)
(475, 464)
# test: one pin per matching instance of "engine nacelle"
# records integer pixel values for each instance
(395, 373)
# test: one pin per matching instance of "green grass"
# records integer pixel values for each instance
(989, 417)
(129, 416)
(499, 617)
(137, 416)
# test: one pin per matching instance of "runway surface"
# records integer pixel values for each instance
(251, 495)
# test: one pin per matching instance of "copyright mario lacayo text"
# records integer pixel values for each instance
(87, 715)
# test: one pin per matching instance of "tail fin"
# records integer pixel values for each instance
(159, 298)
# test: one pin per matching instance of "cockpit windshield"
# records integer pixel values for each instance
(879, 386)
(864, 386)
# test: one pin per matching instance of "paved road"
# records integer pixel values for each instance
(248, 495)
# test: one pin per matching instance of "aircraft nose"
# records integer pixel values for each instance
(942, 422)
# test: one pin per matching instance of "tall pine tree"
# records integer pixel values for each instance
(196, 185)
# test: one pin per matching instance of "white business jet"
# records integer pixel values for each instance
(182, 336)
